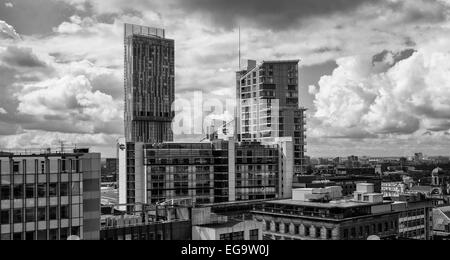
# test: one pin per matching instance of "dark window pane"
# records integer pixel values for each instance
(75, 231)
(53, 189)
(64, 212)
(17, 236)
(53, 234)
(29, 235)
(64, 233)
(42, 190)
(41, 214)
(18, 191)
(30, 215)
(64, 187)
(18, 216)
(6, 192)
(5, 217)
(42, 235)
(53, 214)
(30, 190)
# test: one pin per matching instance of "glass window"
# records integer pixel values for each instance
(75, 231)
(18, 191)
(30, 215)
(237, 236)
(254, 234)
(226, 236)
(64, 233)
(29, 235)
(41, 214)
(54, 234)
(30, 191)
(17, 236)
(5, 237)
(53, 189)
(64, 189)
(5, 192)
(53, 213)
(18, 216)
(16, 167)
(42, 190)
(42, 235)
(5, 217)
(307, 231)
(64, 212)
(75, 188)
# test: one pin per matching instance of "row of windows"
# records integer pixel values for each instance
(307, 230)
(39, 166)
(235, 236)
(412, 234)
(413, 223)
(414, 213)
(364, 231)
(52, 234)
(28, 215)
(43, 190)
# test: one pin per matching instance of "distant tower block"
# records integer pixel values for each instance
(149, 84)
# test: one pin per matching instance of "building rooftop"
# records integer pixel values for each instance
(227, 224)
(333, 204)
(281, 61)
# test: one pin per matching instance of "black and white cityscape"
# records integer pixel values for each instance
(251, 120)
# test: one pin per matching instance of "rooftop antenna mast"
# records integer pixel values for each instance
(239, 47)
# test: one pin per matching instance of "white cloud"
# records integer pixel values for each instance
(8, 4)
(3, 111)
(72, 100)
(7, 31)
(412, 97)
(358, 100)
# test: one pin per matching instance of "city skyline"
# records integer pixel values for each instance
(374, 76)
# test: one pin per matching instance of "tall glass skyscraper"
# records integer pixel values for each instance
(149, 84)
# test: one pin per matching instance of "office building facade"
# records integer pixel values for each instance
(211, 172)
(268, 106)
(320, 214)
(50, 196)
(149, 84)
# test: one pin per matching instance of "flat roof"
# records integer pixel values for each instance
(227, 224)
(281, 61)
(337, 204)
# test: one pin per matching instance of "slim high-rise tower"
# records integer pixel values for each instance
(268, 106)
(149, 84)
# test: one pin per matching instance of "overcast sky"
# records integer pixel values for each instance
(375, 74)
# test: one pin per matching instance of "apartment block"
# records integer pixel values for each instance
(149, 84)
(50, 195)
(268, 106)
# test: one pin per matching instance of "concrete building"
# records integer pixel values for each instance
(146, 222)
(320, 214)
(268, 106)
(393, 189)
(149, 84)
(211, 172)
(110, 170)
(415, 216)
(207, 225)
(347, 182)
(230, 230)
(48, 195)
(441, 223)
